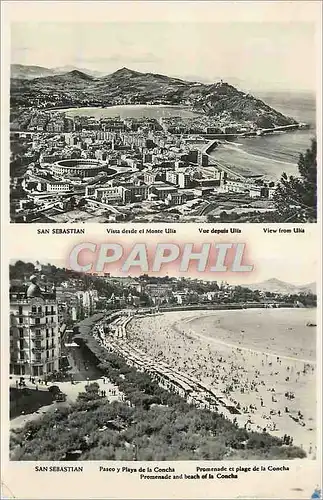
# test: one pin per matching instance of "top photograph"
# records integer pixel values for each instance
(163, 122)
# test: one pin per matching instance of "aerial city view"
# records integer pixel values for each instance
(139, 143)
(106, 367)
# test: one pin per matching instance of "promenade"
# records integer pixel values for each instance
(255, 389)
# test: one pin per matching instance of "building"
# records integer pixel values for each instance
(136, 191)
(203, 158)
(235, 186)
(162, 191)
(184, 180)
(81, 168)
(58, 187)
(175, 198)
(259, 191)
(87, 301)
(109, 194)
(172, 177)
(34, 332)
(159, 293)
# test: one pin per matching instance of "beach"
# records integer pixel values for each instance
(269, 377)
(132, 111)
(271, 155)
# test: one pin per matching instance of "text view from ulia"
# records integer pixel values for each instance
(215, 136)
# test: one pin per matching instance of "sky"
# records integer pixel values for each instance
(273, 55)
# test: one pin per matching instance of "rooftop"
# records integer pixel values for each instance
(78, 163)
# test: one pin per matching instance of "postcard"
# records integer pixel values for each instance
(161, 250)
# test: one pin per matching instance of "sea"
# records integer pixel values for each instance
(132, 111)
(273, 154)
(280, 331)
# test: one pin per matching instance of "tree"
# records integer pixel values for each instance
(54, 389)
(295, 198)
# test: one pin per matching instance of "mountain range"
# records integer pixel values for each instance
(277, 286)
(24, 72)
(126, 86)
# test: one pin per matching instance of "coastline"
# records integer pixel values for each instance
(125, 106)
(248, 349)
(242, 375)
(207, 313)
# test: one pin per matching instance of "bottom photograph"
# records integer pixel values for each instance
(150, 367)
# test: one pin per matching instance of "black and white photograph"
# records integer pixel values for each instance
(153, 367)
(161, 249)
(163, 122)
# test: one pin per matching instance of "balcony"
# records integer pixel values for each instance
(35, 314)
(36, 336)
(38, 349)
(25, 324)
(37, 325)
(20, 361)
(17, 314)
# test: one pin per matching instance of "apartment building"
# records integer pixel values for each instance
(34, 333)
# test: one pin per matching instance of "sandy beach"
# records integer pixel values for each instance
(261, 360)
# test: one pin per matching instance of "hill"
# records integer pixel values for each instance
(276, 286)
(25, 72)
(126, 86)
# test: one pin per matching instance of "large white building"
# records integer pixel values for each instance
(34, 334)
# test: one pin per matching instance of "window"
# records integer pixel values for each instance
(39, 309)
(20, 309)
(37, 321)
(21, 344)
(21, 320)
(53, 353)
(21, 332)
(33, 309)
(47, 333)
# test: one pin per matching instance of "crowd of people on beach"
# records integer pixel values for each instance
(274, 391)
